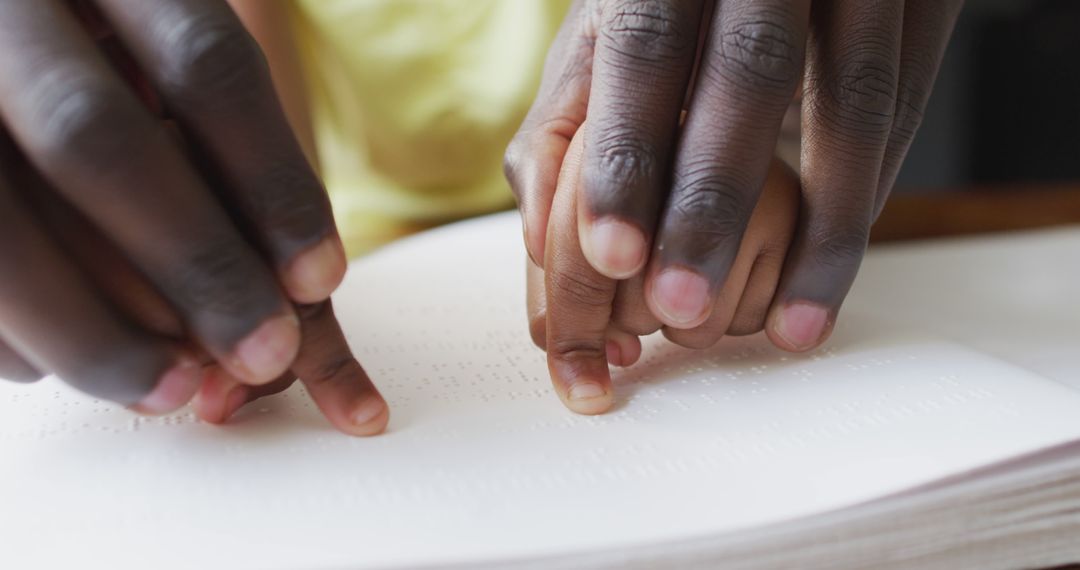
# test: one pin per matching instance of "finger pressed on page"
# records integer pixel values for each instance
(333, 378)
(578, 303)
(214, 78)
(101, 149)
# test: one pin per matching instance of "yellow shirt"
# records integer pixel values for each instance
(414, 101)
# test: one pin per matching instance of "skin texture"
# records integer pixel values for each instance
(586, 320)
(673, 205)
(161, 224)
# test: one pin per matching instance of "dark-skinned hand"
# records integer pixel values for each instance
(586, 321)
(163, 233)
(673, 205)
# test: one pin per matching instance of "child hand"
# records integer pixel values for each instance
(586, 321)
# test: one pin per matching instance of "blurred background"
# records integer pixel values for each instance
(1006, 109)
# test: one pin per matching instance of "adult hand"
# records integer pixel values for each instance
(216, 207)
(585, 320)
(866, 68)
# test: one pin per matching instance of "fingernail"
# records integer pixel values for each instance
(614, 248)
(369, 416)
(368, 410)
(614, 353)
(315, 273)
(237, 397)
(175, 388)
(267, 353)
(802, 324)
(586, 391)
(681, 297)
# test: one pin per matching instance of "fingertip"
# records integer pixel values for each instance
(175, 388)
(267, 353)
(220, 395)
(588, 398)
(679, 297)
(369, 417)
(614, 353)
(614, 248)
(583, 382)
(799, 326)
(316, 272)
(623, 349)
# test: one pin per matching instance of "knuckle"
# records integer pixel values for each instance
(211, 58)
(219, 280)
(760, 50)
(512, 158)
(839, 246)
(575, 288)
(624, 163)
(577, 349)
(88, 124)
(713, 208)
(329, 369)
(909, 115)
(863, 92)
(647, 30)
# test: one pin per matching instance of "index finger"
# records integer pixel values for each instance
(579, 301)
(213, 76)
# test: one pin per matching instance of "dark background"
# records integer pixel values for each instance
(1006, 108)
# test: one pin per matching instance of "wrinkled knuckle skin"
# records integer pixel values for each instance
(712, 212)
(330, 369)
(863, 93)
(840, 247)
(623, 167)
(572, 287)
(577, 349)
(225, 285)
(212, 61)
(647, 31)
(88, 125)
(760, 50)
(908, 118)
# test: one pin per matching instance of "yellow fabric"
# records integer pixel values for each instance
(414, 101)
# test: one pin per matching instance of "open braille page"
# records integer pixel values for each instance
(482, 462)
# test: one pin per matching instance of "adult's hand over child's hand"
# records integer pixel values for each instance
(147, 163)
(674, 204)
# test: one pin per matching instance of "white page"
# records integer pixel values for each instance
(481, 461)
